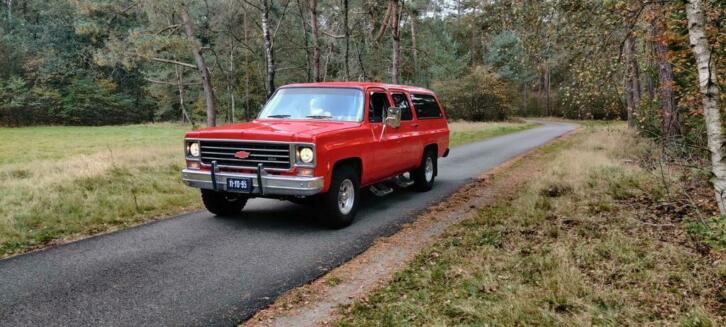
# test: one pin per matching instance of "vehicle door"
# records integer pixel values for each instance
(411, 143)
(388, 143)
(431, 120)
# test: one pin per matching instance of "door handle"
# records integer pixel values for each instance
(414, 125)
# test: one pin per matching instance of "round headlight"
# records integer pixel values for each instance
(306, 155)
(194, 149)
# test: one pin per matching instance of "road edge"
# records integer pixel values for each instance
(316, 303)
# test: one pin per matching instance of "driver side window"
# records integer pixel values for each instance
(377, 106)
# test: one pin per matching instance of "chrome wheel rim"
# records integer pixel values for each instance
(429, 169)
(346, 196)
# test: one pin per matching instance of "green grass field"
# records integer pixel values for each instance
(67, 182)
(63, 182)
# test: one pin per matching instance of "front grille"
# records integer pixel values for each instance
(271, 155)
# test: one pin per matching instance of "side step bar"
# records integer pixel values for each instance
(383, 188)
(380, 189)
(402, 181)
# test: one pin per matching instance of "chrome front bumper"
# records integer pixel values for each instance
(271, 184)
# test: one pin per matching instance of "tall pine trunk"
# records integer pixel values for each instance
(632, 79)
(201, 66)
(708, 85)
(669, 114)
(414, 49)
(346, 35)
(306, 41)
(396, 36)
(313, 7)
(269, 52)
(247, 65)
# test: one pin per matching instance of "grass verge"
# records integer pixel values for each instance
(67, 182)
(595, 240)
(467, 132)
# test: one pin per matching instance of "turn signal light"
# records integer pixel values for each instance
(193, 165)
(307, 172)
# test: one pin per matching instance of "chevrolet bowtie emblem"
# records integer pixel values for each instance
(241, 154)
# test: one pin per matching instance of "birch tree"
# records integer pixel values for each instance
(708, 85)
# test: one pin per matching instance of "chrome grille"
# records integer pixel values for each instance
(271, 155)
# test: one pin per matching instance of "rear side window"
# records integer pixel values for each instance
(401, 102)
(426, 106)
(377, 106)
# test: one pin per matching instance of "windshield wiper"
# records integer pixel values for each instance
(278, 116)
(319, 117)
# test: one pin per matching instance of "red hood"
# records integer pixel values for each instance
(273, 130)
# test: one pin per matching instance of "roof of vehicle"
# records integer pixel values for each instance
(362, 85)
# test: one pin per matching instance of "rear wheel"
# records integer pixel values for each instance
(223, 203)
(424, 175)
(340, 204)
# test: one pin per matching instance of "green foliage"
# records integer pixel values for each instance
(560, 58)
(711, 231)
(479, 95)
(90, 102)
(507, 55)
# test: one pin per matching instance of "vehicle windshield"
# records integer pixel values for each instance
(341, 104)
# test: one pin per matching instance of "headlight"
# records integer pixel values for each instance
(306, 155)
(193, 149)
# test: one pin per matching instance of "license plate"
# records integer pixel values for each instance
(242, 185)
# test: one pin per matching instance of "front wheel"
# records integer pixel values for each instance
(424, 175)
(223, 203)
(340, 204)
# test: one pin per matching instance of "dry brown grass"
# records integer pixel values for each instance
(571, 249)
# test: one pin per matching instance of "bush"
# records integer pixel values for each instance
(479, 95)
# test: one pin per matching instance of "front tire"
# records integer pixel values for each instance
(340, 204)
(425, 174)
(223, 203)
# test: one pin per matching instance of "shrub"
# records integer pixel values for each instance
(478, 96)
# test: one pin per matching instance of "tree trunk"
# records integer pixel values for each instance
(384, 23)
(269, 52)
(231, 89)
(414, 49)
(201, 66)
(548, 88)
(396, 53)
(346, 34)
(708, 85)
(360, 62)
(669, 114)
(313, 7)
(180, 86)
(247, 66)
(306, 41)
(628, 79)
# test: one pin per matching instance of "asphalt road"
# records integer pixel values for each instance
(198, 269)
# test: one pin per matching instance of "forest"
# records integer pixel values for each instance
(100, 62)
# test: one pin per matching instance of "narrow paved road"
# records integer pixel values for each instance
(198, 269)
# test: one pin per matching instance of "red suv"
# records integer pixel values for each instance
(321, 143)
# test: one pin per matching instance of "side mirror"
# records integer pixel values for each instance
(393, 117)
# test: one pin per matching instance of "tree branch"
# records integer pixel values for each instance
(168, 61)
(170, 83)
